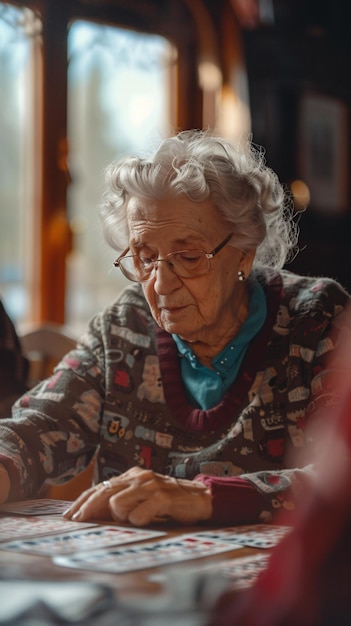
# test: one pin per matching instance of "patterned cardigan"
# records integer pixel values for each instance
(119, 396)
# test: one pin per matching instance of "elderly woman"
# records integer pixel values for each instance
(195, 387)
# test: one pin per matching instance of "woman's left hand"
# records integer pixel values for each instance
(141, 496)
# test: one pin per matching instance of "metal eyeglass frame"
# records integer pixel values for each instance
(209, 255)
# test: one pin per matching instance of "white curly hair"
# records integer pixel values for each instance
(201, 165)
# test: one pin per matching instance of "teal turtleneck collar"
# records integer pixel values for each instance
(205, 386)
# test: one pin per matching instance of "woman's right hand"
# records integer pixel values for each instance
(5, 484)
(140, 497)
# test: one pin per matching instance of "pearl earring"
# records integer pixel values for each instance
(241, 276)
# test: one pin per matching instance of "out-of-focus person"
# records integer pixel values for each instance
(13, 364)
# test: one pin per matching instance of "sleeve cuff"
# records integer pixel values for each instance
(235, 501)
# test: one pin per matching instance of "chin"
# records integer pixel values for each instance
(170, 328)
(174, 328)
(179, 323)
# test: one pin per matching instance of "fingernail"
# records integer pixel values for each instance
(76, 515)
(66, 513)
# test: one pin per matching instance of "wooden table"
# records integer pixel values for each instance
(151, 581)
(181, 592)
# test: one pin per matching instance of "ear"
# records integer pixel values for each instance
(246, 261)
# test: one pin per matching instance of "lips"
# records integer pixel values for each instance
(172, 309)
(173, 313)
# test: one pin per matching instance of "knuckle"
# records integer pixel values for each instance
(148, 475)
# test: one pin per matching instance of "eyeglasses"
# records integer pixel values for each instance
(184, 263)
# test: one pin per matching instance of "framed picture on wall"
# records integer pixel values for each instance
(323, 151)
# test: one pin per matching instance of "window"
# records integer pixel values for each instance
(19, 66)
(118, 104)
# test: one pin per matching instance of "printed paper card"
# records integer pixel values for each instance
(243, 572)
(24, 527)
(255, 536)
(79, 539)
(43, 506)
(147, 555)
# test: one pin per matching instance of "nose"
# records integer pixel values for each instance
(165, 280)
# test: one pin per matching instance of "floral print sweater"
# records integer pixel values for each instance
(119, 396)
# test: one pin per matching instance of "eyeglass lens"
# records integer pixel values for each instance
(187, 263)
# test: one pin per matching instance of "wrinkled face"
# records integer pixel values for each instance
(190, 307)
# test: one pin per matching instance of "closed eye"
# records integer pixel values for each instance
(190, 256)
(145, 261)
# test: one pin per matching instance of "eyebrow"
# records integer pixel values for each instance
(182, 243)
